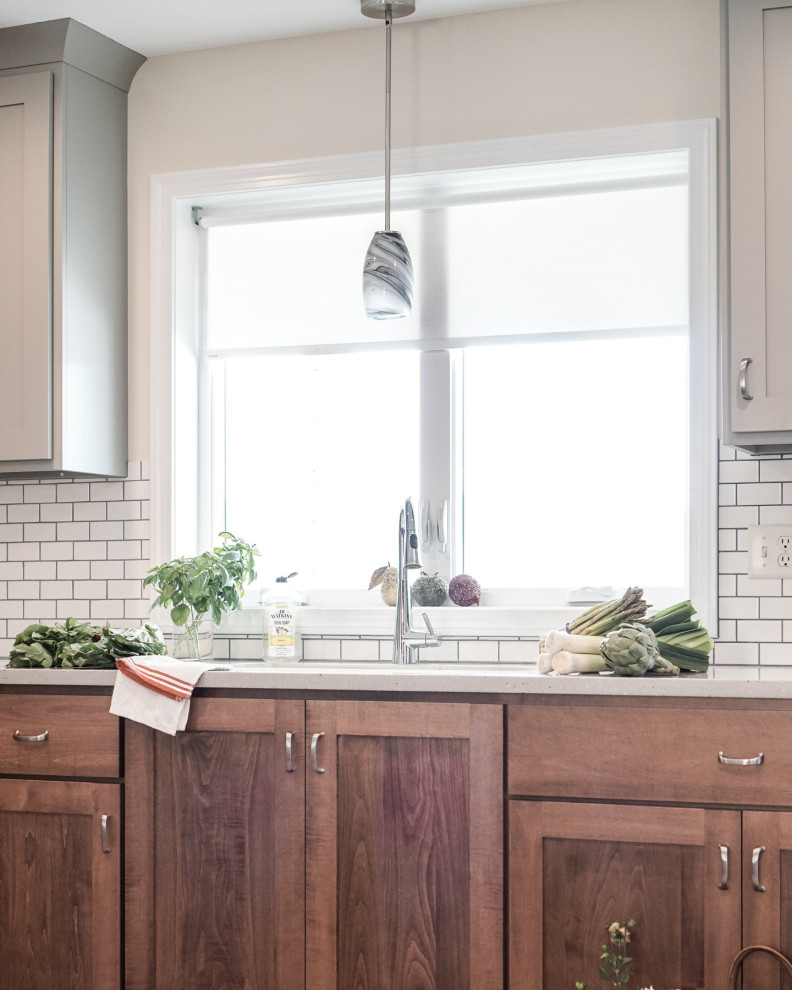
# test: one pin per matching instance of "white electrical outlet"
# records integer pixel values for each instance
(770, 551)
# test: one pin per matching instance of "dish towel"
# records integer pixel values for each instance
(157, 690)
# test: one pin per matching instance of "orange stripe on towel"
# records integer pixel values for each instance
(156, 680)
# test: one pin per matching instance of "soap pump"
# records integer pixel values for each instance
(281, 621)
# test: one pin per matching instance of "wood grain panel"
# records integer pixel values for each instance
(216, 853)
(550, 754)
(83, 737)
(575, 868)
(232, 715)
(60, 897)
(215, 882)
(768, 913)
(404, 851)
(403, 857)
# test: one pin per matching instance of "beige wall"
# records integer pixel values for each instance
(527, 70)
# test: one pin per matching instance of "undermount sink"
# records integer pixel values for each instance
(462, 666)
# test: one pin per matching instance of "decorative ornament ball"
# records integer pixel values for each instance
(390, 584)
(429, 590)
(464, 590)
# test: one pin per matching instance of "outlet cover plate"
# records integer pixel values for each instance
(770, 551)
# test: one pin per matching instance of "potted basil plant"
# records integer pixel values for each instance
(199, 590)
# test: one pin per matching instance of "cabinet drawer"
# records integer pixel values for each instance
(82, 737)
(651, 754)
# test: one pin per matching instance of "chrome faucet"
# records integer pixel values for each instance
(407, 639)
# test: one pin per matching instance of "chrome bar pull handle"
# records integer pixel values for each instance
(314, 756)
(42, 737)
(105, 820)
(755, 869)
(724, 854)
(743, 379)
(730, 761)
(289, 765)
(442, 526)
(426, 524)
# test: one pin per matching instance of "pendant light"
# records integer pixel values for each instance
(387, 271)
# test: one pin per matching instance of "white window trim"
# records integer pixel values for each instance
(175, 315)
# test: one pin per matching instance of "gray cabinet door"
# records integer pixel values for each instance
(758, 382)
(26, 266)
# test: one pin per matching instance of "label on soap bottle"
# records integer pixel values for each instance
(281, 631)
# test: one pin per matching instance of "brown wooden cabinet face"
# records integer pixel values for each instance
(216, 853)
(575, 868)
(403, 861)
(767, 912)
(60, 898)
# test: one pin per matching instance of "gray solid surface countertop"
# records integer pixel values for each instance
(454, 678)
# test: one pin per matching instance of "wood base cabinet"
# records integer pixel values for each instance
(60, 885)
(277, 845)
(574, 868)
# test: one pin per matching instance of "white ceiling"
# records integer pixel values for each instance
(158, 27)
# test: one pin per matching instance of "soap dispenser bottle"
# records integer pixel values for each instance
(281, 621)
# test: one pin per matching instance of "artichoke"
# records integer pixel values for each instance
(631, 649)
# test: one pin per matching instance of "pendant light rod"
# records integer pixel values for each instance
(388, 24)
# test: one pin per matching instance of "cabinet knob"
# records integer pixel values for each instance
(743, 379)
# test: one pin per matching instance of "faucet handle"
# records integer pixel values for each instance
(431, 639)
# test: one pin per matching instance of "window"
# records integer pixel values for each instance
(538, 401)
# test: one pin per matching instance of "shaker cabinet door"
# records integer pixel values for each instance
(575, 868)
(26, 267)
(60, 885)
(758, 385)
(404, 851)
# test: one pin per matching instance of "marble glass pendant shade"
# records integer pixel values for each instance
(387, 271)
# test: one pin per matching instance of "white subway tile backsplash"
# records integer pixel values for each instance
(124, 549)
(759, 494)
(136, 489)
(56, 551)
(57, 511)
(758, 631)
(73, 570)
(76, 492)
(40, 570)
(107, 491)
(90, 511)
(39, 493)
(74, 530)
(772, 470)
(39, 531)
(123, 510)
(81, 548)
(741, 608)
(21, 513)
(110, 570)
(57, 589)
(741, 472)
(737, 516)
(727, 494)
(107, 530)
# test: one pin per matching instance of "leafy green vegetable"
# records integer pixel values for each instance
(80, 644)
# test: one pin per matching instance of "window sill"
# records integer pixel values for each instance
(488, 621)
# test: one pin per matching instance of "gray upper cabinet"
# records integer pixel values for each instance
(63, 255)
(757, 391)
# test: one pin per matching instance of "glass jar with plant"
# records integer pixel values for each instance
(203, 588)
